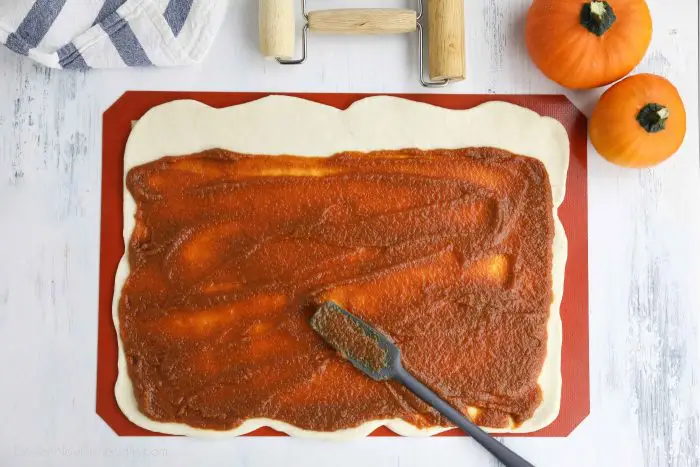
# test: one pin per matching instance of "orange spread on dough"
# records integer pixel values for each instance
(448, 252)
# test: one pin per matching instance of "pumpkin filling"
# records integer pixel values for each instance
(449, 252)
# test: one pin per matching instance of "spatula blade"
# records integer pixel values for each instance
(369, 350)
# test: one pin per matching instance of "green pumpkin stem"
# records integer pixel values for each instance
(597, 17)
(653, 117)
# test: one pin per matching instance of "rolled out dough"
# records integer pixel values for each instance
(287, 125)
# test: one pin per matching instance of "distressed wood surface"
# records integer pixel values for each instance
(644, 255)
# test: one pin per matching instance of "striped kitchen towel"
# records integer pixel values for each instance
(111, 33)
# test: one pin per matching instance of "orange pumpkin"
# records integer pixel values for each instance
(638, 122)
(583, 45)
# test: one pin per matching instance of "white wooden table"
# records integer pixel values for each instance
(644, 254)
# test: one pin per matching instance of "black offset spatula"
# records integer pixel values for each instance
(378, 357)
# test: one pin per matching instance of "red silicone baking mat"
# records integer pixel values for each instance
(131, 106)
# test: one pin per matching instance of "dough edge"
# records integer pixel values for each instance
(307, 128)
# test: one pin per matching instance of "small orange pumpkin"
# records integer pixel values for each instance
(638, 122)
(583, 45)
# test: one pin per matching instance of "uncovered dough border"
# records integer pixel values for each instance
(289, 125)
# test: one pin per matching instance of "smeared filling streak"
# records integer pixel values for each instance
(447, 251)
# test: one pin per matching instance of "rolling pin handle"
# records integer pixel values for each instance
(363, 21)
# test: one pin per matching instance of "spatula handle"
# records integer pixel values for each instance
(502, 453)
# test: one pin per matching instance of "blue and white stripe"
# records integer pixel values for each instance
(81, 34)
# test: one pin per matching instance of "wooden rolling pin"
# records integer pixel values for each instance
(446, 40)
(445, 30)
(276, 28)
(363, 21)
